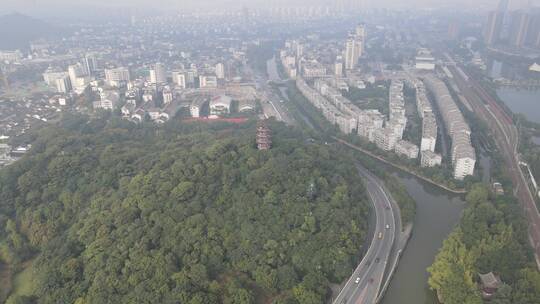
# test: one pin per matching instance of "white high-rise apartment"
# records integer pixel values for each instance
(167, 96)
(75, 71)
(208, 81)
(361, 35)
(361, 32)
(463, 154)
(220, 71)
(63, 84)
(179, 79)
(352, 53)
(90, 63)
(338, 68)
(429, 132)
(158, 75)
(115, 77)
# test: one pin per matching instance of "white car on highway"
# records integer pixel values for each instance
(387, 226)
(357, 280)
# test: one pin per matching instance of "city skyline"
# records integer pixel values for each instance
(59, 6)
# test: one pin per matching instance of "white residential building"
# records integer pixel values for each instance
(108, 100)
(406, 149)
(338, 68)
(208, 81)
(463, 154)
(117, 77)
(220, 71)
(424, 60)
(63, 84)
(167, 96)
(313, 70)
(11, 56)
(430, 159)
(429, 132)
(353, 50)
(385, 139)
(464, 165)
(179, 78)
(158, 75)
(50, 76)
(196, 106)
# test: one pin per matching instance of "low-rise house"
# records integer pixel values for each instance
(489, 283)
(246, 106)
(430, 159)
(196, 106)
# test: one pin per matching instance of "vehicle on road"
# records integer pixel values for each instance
(387, 226)
(380, 235)
(377, 260)
(387, 207)
(370, 280)
(357, 280)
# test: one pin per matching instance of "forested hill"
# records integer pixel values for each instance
(491, 237)
(111, 212)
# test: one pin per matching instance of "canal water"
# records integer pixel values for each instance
(437, 213)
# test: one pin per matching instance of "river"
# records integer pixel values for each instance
(526, 102)
(519, 100)
(437, 213)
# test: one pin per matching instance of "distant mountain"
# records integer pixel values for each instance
(17, 31)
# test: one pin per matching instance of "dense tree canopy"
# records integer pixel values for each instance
(184, 213)
(491, 237)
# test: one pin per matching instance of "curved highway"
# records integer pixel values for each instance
(364, 285)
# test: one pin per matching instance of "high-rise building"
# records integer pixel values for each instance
(463, 153)
(299, 50)
(220, 71)
(75, 71)
(519, 27)
(207, 81)
(190, 76)
(51, 75)
(338, 68)
(179, 78)
(493, 28)
(361, 32)
(116, 77)
(158, 75)
(352, 53)
(533, 31)
(78, 77)
(90, 63)
(361, 35)
(63, 84)
(167, 96)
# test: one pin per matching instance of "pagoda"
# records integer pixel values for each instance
(264, 136)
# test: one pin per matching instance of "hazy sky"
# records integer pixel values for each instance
(29, 6)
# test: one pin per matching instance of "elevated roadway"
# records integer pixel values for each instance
(364, 285)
